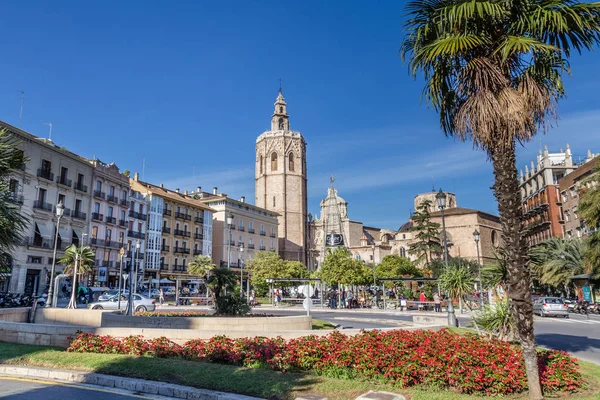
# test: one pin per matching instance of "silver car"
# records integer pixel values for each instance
(141, 303)
(550, 306)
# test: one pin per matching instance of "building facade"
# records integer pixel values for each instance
(51, 175)
(179, 228)
(254, 229)
(571, 187)
(108, 222)
(281, 181)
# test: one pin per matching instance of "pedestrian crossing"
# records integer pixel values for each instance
(590, 321)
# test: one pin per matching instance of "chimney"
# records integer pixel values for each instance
(199, 189)
(136, 177)
(162, 186)
(215, 190)
(177, 190)
(186, 192)
(243, 199)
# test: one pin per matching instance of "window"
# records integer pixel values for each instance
(141, 208)
(272, 244)
(569, 234)
(575, 209)
(78, 206)
(197, 230)
(121, 238)
(79, 179)
(111, 191)
(98, 186)
(495, 242)
(177, 226)
(108, 234)
(274, 203)
(573, 192)
(13, 186)
(261, 164)
(273, 231)
(130, 225)
(176, 243)
(250, 226)
(241, 239)
(567, 216)
(64, 172)
(61, 198)
(176, 262)
(402, 252)
(274, 162)
(184, 262)
(262, 229)
(185, 228)
(241, 224)
(94, 232)
(262, 244)
(122, 215)
(124, 195)
(250, 242)
(281, 109)
(96, 207)
(46, 165)
(110, 212)
(281, 124)
(291, 162)
(139, 226)
(564, 196)
(42, 195)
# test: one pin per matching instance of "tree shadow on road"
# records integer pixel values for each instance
(568, 343)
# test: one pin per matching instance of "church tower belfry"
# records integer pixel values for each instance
(281, 184)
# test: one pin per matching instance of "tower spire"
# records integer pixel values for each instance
(280, 119)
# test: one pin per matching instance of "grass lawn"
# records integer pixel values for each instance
(319, 324)
(255, 382)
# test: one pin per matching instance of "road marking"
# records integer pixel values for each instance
(71, 385)
(568, 321)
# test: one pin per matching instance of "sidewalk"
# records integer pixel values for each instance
(167, 390)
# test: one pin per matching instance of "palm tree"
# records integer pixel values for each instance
(458, 281)
(222, 280)
(493, 71)
(84, 256)
(12, 223)
(589, 210)
(201, 266)
(556, 259)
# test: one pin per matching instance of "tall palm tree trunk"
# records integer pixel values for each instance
(508, 194)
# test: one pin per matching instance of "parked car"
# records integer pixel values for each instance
(153, 293)
(169, 291)
(141, 303)
(550, 306)
(107, 295)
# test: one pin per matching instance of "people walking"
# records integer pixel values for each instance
(437, 301)
(161, 296)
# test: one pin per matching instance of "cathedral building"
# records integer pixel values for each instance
(280, 181)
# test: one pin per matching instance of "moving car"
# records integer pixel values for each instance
(550, 306)
(141, 303)
(153, 293)
(107, 295)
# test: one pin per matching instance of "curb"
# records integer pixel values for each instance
(117, 382)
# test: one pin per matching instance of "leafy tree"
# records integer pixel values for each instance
(268, 264)
(84, 256)
(222, 281)
(589, 211)
(12, 223)
(493, 70)
(201, 266)
(394, 266)
(458, 281)
(427, 236)
(340, 266)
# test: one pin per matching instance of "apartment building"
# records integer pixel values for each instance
(108, 222)
(253, 227)
(179, 228)
(137, 230)
(571, 187)
(51, 175)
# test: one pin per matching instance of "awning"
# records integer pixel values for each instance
(153, 281)
(78, 233)
(4, 276)
(165, 280)
(65, 233)
(46, 231)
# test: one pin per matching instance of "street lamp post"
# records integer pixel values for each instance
(440, 198)
(122, 253)
(60, 209)
(229, 223)
(476, 238)
(373, 259)
(241, 248)
(130, 305)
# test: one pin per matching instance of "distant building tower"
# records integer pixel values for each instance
(280, 181)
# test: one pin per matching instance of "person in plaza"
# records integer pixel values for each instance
(332, 299)
(438, 302)
(350, 300)
(277, 297)
(161, 296)
(422, 297)
(252, 298)
(343, 299)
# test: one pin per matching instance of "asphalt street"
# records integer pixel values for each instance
(18, 389)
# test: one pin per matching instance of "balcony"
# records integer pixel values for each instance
(122, 223)
(16, 198)
(97, 217)
(232, 242)
(181, 250)
(79, 215)
(137, 215)
(241, 229)
(81, 187)
(263, 233)
(62, 180)
(273, 235)
(99, 194)
(111, 220)
(251, 246)
(40, 205)
(124, 202)
(166, 212)
(179, 268)
(166, 229)
(186, 217)
(198, 236)
(136, 235)
(140, 255)
(46, 174)
(39, 242)
(251, 230)
(164, 267)
(232, 227)
(262, 248)
(179, 232)
(199, 220)
(112, 199)
(164, 248)
(197, 252)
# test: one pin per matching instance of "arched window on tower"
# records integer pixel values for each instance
(261, 164)
(280, 124)
(291, 162)
(281, 110)
(274, 162)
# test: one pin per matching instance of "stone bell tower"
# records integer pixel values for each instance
(280, 181)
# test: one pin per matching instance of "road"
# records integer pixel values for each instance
(23, 389)
(577, 335)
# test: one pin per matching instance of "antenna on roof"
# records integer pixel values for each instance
(21, 112)
(50, 133)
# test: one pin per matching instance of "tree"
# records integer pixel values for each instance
(394, 266)
(12, 223)
(493, 71)
(458, 281)
(268, 265)
(339, 266)
(222, 282)
(201, 266)
(84, 256)
(557, 259)
(589, 211)
(427, 237)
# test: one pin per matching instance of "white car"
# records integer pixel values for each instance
(107, 295)
(141, 303)
(154, 293)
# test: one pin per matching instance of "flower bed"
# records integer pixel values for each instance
(468, 364)
(189, 314)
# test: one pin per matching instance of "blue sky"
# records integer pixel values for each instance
(189, 85)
